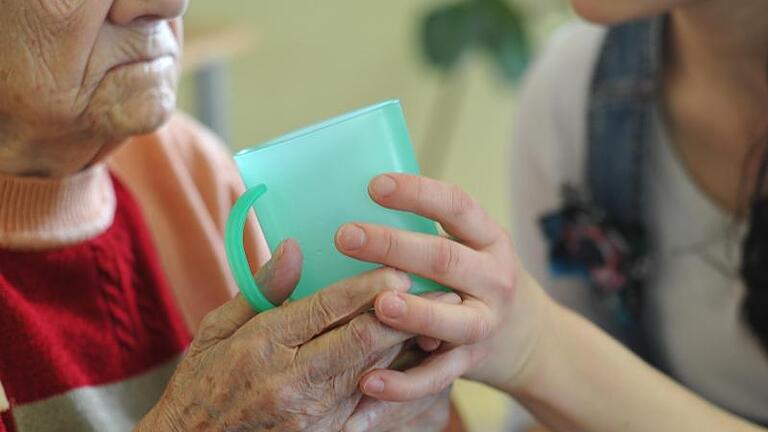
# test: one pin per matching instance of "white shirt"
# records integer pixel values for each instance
(694, 298)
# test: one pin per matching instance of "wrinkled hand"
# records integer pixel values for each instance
(492, 333)
(294, 368)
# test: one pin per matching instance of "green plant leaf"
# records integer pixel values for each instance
(495, 26)
(505, 38)
(446, 36)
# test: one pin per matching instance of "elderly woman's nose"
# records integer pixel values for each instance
(125, 12)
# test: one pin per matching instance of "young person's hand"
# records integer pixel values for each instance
(506, 331)
(493, 330)
(428, 414)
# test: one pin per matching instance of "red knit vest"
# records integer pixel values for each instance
(89, 334)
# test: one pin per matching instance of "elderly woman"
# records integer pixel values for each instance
(112, 210)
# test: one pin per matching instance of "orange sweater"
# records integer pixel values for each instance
(186, 183)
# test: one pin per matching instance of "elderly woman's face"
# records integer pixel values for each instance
(93, 67)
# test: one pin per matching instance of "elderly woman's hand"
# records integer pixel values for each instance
(292, 368)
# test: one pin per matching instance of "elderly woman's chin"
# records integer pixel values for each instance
(134, 101)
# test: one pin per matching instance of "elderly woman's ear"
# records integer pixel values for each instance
(77, 77)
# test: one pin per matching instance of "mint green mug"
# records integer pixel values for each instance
(309, 183)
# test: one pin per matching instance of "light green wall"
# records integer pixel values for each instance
(316, 59)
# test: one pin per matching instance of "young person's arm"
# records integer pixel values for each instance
(505, 330)
(582, 380)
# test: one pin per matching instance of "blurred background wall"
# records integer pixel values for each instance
(298, 62)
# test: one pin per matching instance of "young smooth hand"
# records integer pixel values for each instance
(491, 331)
(505, 330)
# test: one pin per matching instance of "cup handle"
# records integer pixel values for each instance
(233, 242)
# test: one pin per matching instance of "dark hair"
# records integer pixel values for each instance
(754, 265)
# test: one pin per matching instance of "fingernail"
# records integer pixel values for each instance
(406, 279)
(280, 251)
(356, 423)
(449, 298)
(373, 386)
(267, 272)
(383, 186)
(392, 306)
(351, 237)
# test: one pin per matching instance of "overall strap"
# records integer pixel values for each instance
(624, 88)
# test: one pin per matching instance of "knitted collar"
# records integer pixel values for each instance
(42, 213)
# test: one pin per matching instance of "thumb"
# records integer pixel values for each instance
(279, 276)
(276, 279)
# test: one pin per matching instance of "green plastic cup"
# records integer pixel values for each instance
(309, 183)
